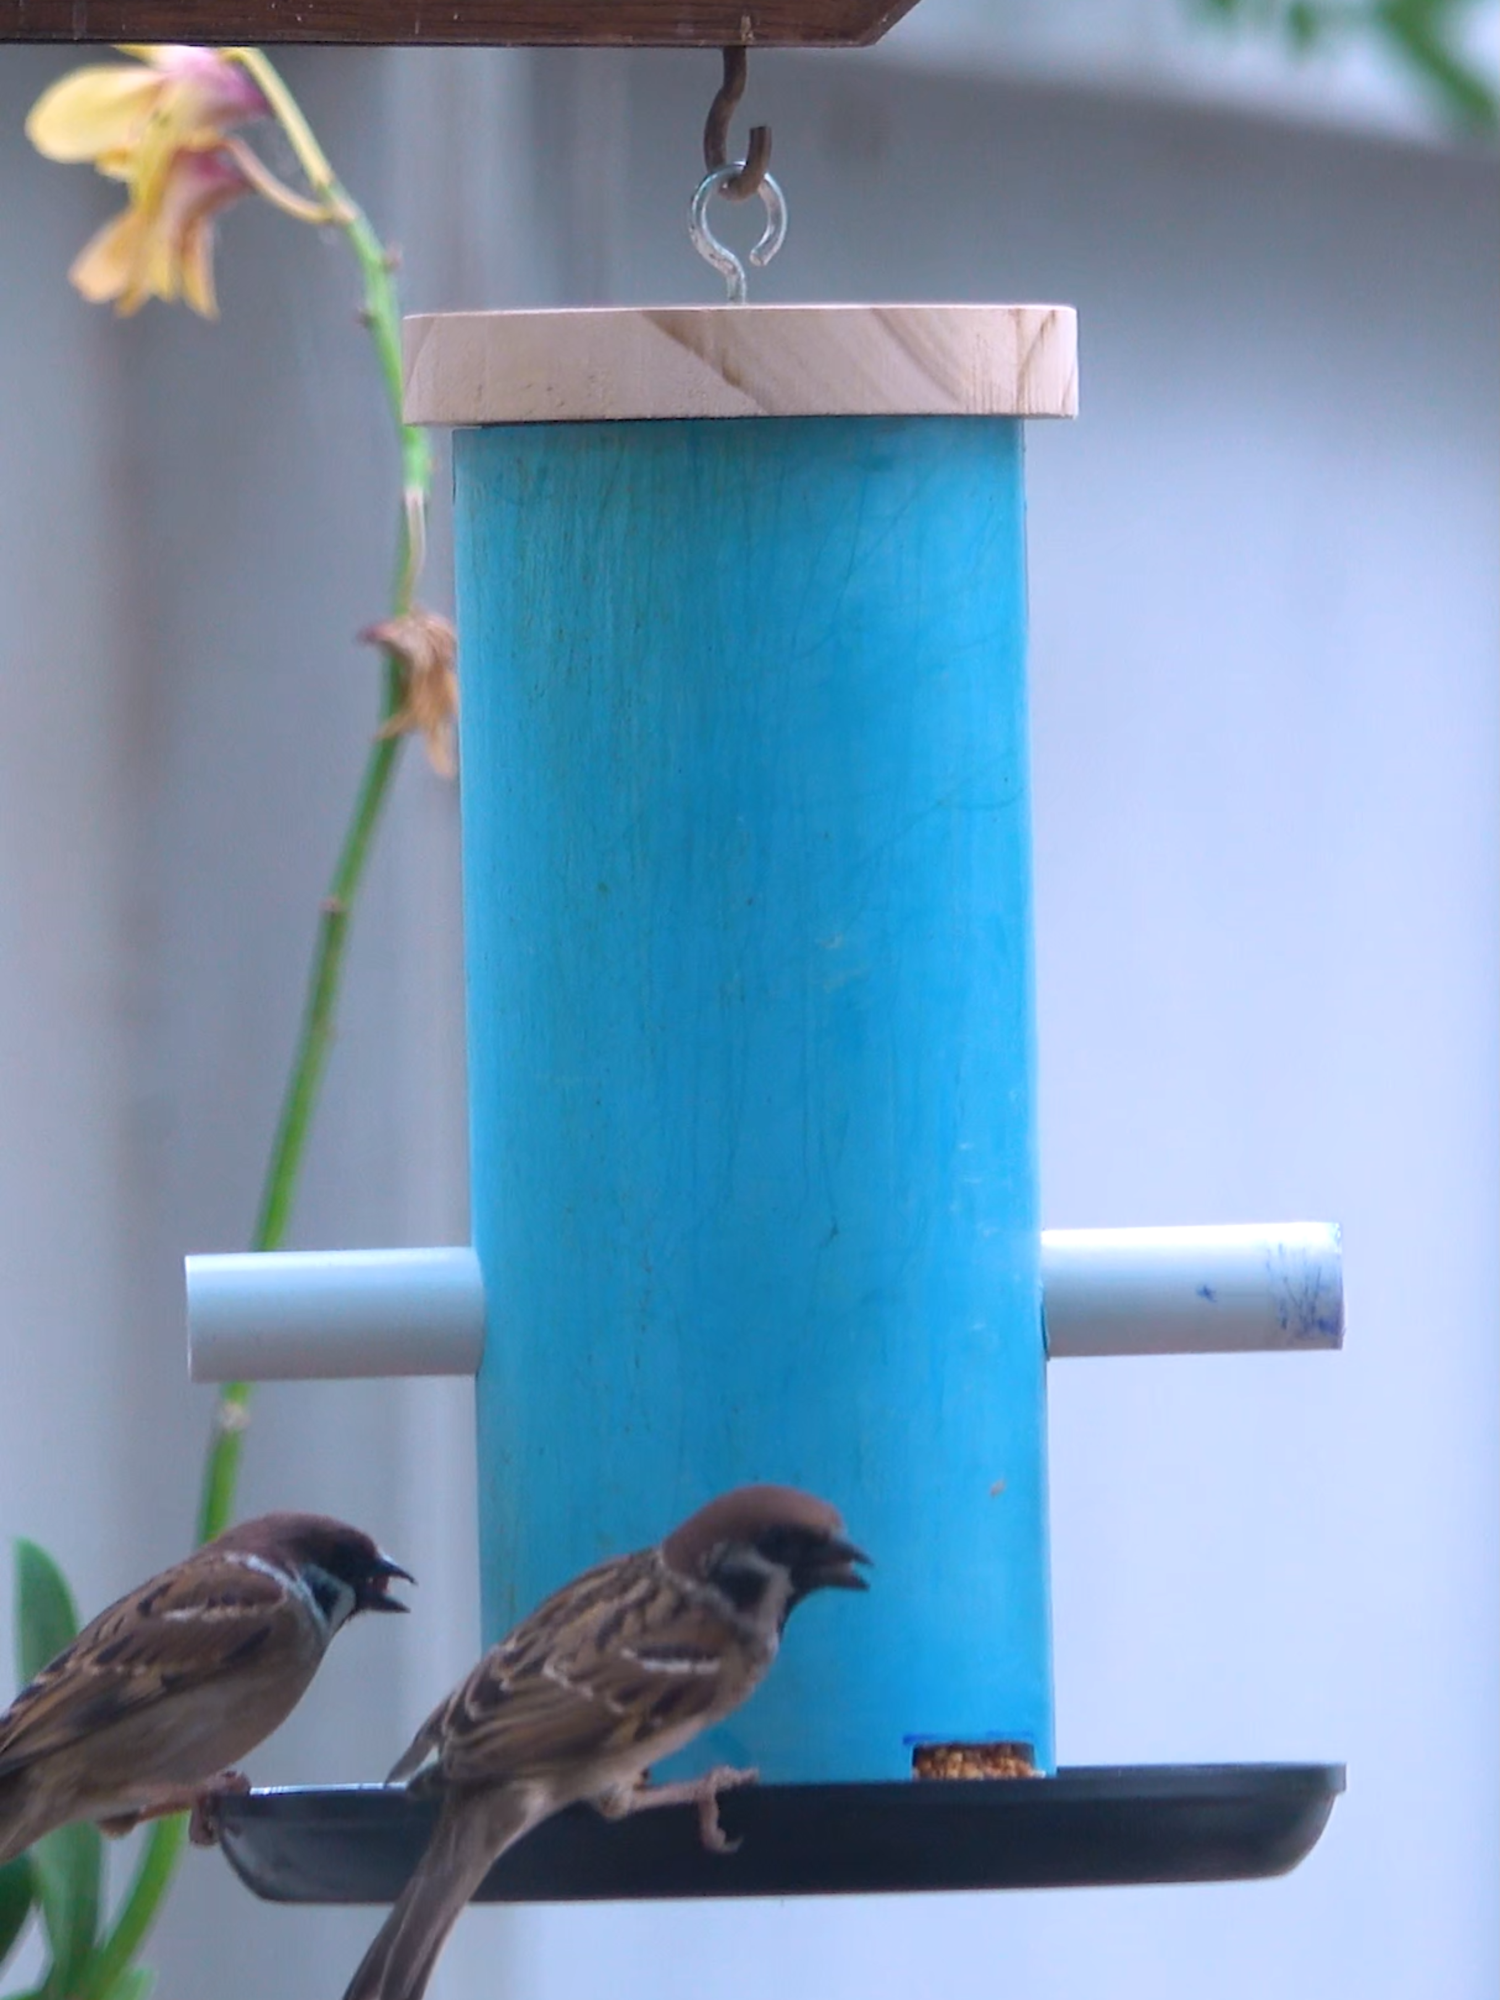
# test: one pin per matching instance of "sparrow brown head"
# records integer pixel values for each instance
(341, 1566)
(744, 1542)
(618, 1669)
(161, 1694)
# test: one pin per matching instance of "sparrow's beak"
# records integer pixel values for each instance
(372, 1594)
(831, 1567)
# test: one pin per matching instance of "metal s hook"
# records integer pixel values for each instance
(719, 254)
(736, 180)
(750, 171)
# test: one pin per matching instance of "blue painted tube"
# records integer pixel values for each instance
(748, 908)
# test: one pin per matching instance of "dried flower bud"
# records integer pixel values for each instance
(425, 647)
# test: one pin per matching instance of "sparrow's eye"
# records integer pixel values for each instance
(787, 1547)
(743, 1576)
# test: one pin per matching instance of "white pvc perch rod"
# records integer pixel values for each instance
(294, 1316)
(328, 1314)
(1234, 1288)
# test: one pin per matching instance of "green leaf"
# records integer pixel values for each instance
(135, 1983)
(1420, 33)
(46, 1617)
(69, 1866)
(17, 1893)
(1307, 25)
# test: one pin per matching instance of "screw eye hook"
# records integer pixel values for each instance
(719, 254)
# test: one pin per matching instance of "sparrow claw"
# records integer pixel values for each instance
(723, 1778)
(620, 1801)
(203, 1826)
(711, 1833)
(201, 1801)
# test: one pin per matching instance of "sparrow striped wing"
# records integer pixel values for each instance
(185, 1629)
(615, 1661)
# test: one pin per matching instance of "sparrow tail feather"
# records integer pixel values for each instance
(22, 1824)
(472, 1833)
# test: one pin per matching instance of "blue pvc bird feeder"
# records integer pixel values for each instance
(747, 854)
(747, 888)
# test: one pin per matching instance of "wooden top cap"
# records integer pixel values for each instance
(666, 24)
(618, 362)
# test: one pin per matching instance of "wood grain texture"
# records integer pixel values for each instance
(536, 23)
(588, 364)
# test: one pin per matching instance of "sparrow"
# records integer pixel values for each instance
(619, 1668)
(149, 1707)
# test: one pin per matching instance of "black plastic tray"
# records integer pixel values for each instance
(1084, 1827)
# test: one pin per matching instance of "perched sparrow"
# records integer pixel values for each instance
(621, 1667)
(152, 1702)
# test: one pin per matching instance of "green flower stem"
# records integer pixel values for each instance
(381, 309)
(382, 315)
(221, 1469)
(137, 1913)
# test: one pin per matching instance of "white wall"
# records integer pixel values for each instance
(66, 758)
(1264, 606)
(1154, 49)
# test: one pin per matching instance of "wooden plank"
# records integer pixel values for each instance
(587, 363)
(535, 23)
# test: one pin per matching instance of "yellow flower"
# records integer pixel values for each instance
(424, 646)
(163, 129)
(132, 123)
(167, 250)
(161, 126)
